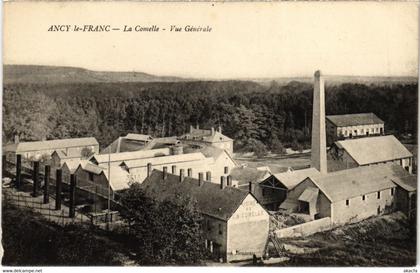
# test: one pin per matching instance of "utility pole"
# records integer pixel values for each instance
(109, 190)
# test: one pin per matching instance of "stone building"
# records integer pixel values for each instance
(272, 191)
(349, 195)
(341, 127)
(211, 137)
(235, 225)
(352, 153)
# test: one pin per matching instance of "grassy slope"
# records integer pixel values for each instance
(383, 241)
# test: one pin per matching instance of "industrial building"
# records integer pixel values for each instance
(349, 195)
(36, 150)
(352, 153)
(211, 137)
(235, 225)
(341, 127)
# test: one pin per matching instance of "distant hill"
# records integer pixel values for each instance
(62, 74)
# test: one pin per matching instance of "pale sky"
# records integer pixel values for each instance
(247, 39)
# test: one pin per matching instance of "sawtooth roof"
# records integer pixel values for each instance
(349, 183)
(50, 144)
(354, 119)
(369, 150)
(244, 175)
(119, 178)
(211, 199)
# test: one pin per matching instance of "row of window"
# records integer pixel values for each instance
(362, 131)
(378, 196)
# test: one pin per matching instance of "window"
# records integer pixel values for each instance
(379, 195)
(379, 210)
(392, 191)
(363, 197)
(208, 225)
(90, 176)
(220, 229)
(347, 202)
(226, 170)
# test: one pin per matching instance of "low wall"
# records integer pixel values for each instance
(305, 229)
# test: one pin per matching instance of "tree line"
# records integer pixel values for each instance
(258, 116)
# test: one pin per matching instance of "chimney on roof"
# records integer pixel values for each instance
(189, 172)
(250, 187)
(197, 126)
(229, 181)
(165, 173)
(174, 169)
(16, 140)
(222, 182)
(149, 169)
(208, 176)
(191, 128)
(220, 129)
(212, 131)
(200, 178)
(318, 142)
(181, 175)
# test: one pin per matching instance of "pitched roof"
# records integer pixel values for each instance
(138, 137)
(369, 150)
(72, 164)
(119, 178)
(71, 154)
(309, 194)
(90, 167)
(125, 156)
(408, 183)
(170, 159)
(211, 199)
(292, 178)
(354, 119)
(51, 144)
(205, 135)
(349, 183)
(244, 175)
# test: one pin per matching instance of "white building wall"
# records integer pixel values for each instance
(247, 230)
(359, 209)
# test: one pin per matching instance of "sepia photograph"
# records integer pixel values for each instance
(227, 134)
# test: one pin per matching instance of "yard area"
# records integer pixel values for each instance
(276, 163)
(389, 240)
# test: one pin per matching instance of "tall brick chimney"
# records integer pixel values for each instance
(318, 143)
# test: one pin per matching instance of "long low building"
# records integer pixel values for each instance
(235, 226)
(352, 153)
(349, 195)
(35, 150)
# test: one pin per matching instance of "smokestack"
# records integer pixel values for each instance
(58, 179)
(200, 179)
(35, 179)
(189, 171)
(72, 201)
(250, 187)
(229, 181)
(208, 176)
(181, 175)
(165, 173)
(222, 182)
(47, 184)
(16, 140)
(149, 169)
(220, 129)
(212, 131)
(174, 169)
(18, 170)
(318, 144)
(191, 129)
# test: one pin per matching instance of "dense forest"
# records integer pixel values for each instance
(258, 116)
